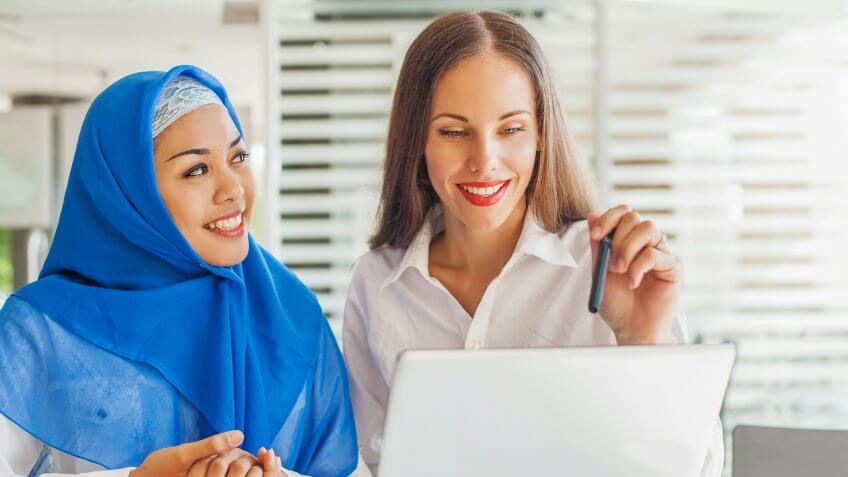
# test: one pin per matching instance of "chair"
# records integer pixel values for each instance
(781, 452)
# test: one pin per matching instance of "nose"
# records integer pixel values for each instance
(484, 155)
(228, 187)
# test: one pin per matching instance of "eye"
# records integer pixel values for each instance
(241, 157)
(197, 170)
(452, 133)
(513, 130)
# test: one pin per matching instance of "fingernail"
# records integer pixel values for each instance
(235, 437)
(262, 450)
(279, 462)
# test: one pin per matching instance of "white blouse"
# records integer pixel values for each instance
(19, 451)
(540, 299)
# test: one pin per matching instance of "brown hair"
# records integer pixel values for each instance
(558, 193)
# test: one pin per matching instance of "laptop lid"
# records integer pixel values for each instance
(619, 410)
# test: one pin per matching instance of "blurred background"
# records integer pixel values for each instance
(725, 121)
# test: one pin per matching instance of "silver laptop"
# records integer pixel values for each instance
(612, 411)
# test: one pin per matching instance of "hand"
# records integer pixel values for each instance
(272, 466)
(643, 284)
(178, 460)
(236, 463)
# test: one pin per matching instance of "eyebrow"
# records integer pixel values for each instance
(465, 120)
(202, 151)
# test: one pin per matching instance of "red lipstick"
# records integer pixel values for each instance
(483, 200)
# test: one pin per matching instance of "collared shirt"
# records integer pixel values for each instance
(539, 299)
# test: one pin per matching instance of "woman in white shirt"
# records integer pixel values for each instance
(481, 240)
(160, 340)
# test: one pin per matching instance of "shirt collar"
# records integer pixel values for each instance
(417, 253)
(534, 240)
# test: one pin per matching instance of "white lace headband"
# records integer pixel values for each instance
(179, 97)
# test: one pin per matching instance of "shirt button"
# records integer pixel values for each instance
(474, 345)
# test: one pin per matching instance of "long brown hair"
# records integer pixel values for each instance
(558, 193)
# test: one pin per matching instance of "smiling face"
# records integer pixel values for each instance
(482, 140)
(206, 184)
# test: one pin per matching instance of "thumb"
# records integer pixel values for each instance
(269, 464)
(213, 445)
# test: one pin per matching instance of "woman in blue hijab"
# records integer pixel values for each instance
(157, 324)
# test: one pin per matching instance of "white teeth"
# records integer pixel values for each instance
(484, 191)
(226, 224)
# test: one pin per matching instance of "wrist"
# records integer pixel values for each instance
(658, 337)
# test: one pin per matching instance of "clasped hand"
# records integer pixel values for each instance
(215, 456)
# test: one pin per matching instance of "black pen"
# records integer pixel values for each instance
(599, 277)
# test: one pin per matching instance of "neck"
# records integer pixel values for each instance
(479, 251)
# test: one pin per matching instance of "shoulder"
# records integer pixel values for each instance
(575, 238)
(17, 315)
(370, 272)
(373, 267)
(15, 303)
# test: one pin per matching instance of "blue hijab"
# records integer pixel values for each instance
(129, 341)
